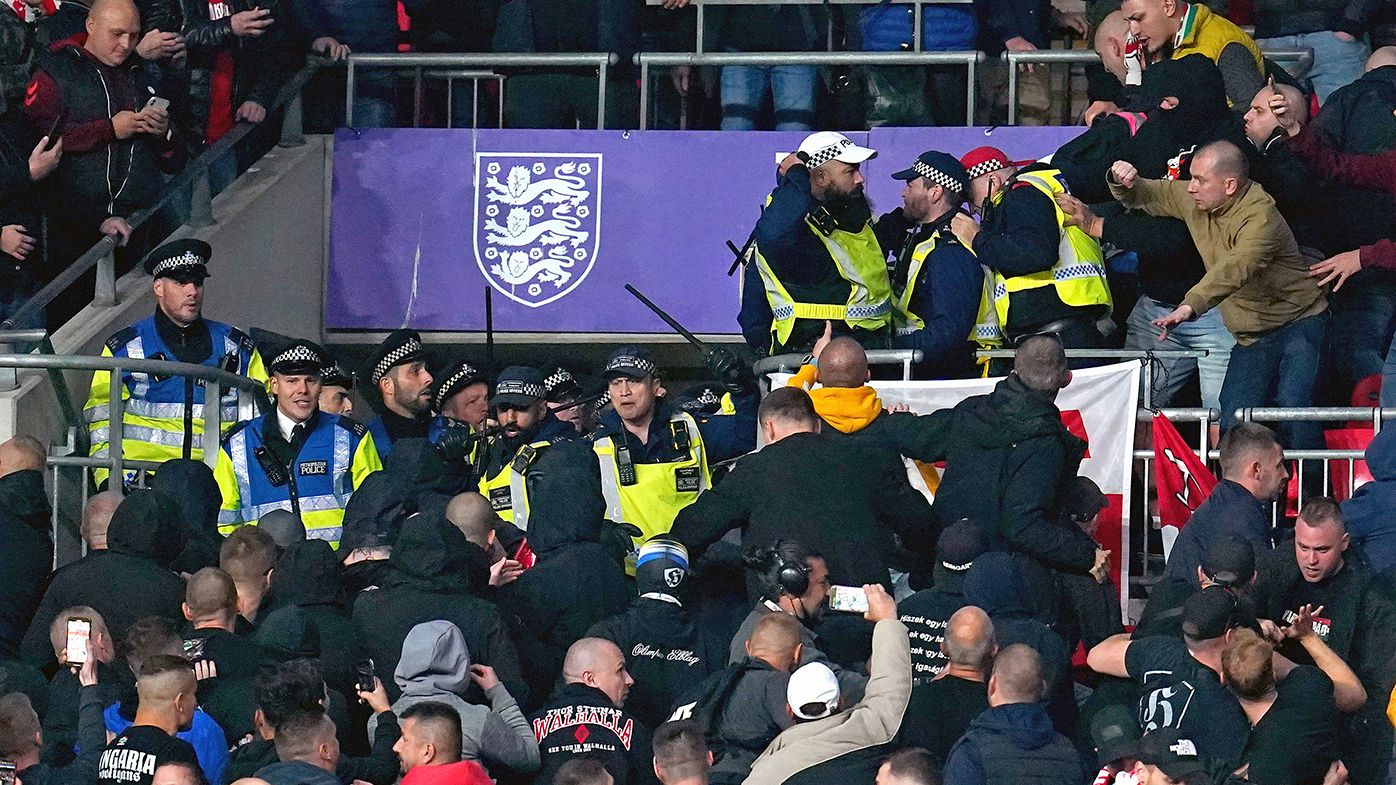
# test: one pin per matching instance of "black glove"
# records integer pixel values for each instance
(619, 538)
(456, 442)
(734, 374)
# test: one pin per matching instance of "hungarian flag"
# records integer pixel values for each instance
(1182, 480)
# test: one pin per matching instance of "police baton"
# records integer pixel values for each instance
(739, 254)
(669, 320)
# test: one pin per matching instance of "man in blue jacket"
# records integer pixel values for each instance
(1368, 512)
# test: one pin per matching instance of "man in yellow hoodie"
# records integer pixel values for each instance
(847, 405)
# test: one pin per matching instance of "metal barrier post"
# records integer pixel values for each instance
(645, 89)
(971, 89)
(104, 295)
(349, 92)
(9, 377)
(116, 426)
(916, 25)
(293, 124)
(201, 200)
(1012, 89)
(698, 44)
(601, 96)
(213, 416)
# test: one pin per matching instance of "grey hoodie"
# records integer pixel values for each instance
(435, 666)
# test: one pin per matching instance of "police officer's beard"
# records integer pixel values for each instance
(850, 210)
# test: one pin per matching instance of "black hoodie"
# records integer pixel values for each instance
(195, 492)
(129, 581)
(27, 554)
(308, 576)
(1008, 460)
(576, 582)
(429, 579)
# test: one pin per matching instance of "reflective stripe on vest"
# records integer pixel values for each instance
(322, 492)
(859, 260)
(507, 491)
(1079, 272)
(652, 503)
(986, 331)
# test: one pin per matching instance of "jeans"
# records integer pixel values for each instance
(1205, 332)
(744, 89)
(16, 291)
(1364, 313)
(1336, 63)
(1279, 369)
(567, 101)
(374, 94)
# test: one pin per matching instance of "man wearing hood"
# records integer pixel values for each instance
(191, 484)
(435, 666)
(843, 500)
(129, 580)
(431, 565)
(527, 428)
(665, 649)
(994, 584)
(586, 715)
(372, 520)
(1368, 512)
(1009, 459)
(24, 528)
(308, 576)
(576, 581)
(1014, 741)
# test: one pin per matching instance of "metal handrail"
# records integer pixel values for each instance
(969, 59)
(9, 380)
(1302, 58)
(1113, 354)
(201, 210)
(916, 12)
(779, 363)
(601, 61)
(214, 379)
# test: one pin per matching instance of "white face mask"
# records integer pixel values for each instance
(1126, 778)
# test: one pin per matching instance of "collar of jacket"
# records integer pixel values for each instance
(612, 426)
(847, 409)
(1229, 204)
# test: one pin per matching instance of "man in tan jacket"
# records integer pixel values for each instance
(1255, 275)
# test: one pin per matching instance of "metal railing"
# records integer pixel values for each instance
(194, 180)
(789, 363)
(915, 25)
(601, 61)
(1302, 59)
(969, 59)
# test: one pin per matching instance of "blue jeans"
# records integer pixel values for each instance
(374, 97)
(1364, 313)
(1336, 63)
(1279, 369)
(1205, 332)
(744, 89)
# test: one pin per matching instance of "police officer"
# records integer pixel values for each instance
(336, 383)
(1047, 277)
(655, 458)
(527, 427)
(462, 394)
(563, 393)
(164, 416)
(399, 370)
(297, 457)
(937, 282)
(816, 254)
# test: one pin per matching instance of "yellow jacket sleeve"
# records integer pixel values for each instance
(97, 412)
(229, 513)
(256, 370)
(805, 379)
(366, 460)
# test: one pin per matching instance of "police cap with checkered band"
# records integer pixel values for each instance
(296, 358)
(518, 385)
(940, 169)
(456, 377)
(631, 362)
(184, 260)
(821, 147)
(400, 347)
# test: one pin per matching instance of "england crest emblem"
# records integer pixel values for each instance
(537, 222)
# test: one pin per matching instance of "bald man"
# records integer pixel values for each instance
(27, 555)
(1358, 118)
(211, 607)
(1262, 127)
(106, 119)
(940, 711)
(96, 518)
(1255, 276)
(475, 517)
(755, 711)
(1015, 728)
(1105, 83)
(586, 716)
(166, 690)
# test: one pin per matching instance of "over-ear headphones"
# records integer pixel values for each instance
(791, 576)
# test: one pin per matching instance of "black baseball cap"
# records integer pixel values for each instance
(940, 168)
(631, 361)
(1115, 733)
(959, 545)
(1229, 561)
(1175, 755)
(1209, 613)
(518, 385)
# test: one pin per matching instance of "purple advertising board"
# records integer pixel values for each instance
(557, 222)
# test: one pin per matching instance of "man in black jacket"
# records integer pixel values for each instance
(586, 716)
(431, 566)
(844, 502)
(308, 576)
(24, 529)
(1359, 118)
(21, 738)
(229, 661)
(665, 648)
(128, 581)
(1009, 459)
(927, 613)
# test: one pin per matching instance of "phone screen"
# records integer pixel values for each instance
(79, 634)
(363, 674)
(848, 598)
(7, 772)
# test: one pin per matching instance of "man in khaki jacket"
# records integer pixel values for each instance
(1255, 275)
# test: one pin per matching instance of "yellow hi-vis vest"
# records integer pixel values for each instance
(1079, 273)
(651, 497)
(507, 490)
(860, 262)
(986, 331)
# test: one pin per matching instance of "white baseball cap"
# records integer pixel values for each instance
(823, 146)
(813, 691)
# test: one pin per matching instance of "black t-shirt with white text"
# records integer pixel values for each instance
(1297, 739)
(925, 614)
(133, 757)
(1180, 692)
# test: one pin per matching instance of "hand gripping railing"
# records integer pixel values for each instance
(215, 380)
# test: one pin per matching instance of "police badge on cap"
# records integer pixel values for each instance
(400, 348)
(298, 358)
(183, 260)
(454, 379)
(518, 386)
(336, 375)
(632, 362)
